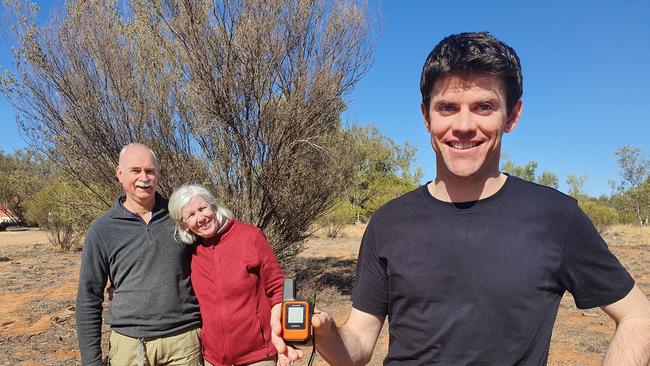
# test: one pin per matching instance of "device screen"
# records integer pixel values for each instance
(295, 314)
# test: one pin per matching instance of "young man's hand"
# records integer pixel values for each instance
(286, 354)
(321, 321)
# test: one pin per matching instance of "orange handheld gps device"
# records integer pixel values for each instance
(296, 315)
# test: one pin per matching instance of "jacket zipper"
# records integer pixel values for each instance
(226, 346)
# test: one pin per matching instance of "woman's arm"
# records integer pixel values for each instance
(270, 271)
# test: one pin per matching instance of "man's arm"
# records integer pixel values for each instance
(631, 342)
(349, 344)
(90, 295)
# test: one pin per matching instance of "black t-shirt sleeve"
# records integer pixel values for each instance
(588, 270)
(370, 293)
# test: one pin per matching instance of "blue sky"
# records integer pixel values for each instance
(586, 79)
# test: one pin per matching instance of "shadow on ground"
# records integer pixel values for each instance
(324, 272)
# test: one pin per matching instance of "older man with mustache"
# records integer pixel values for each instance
(154, 315)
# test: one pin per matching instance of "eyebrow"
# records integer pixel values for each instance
(494, 101)
(138, 167)
(442, 102)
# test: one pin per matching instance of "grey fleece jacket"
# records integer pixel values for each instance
(150, 272)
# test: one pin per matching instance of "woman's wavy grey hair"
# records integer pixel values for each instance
(181, 197)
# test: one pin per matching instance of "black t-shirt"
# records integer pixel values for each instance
(480, 283)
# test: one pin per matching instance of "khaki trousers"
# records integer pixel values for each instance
(181, 349)
(268, 362)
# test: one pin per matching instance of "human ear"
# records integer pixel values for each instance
(425, 115)
(118, 173)
(513, 118)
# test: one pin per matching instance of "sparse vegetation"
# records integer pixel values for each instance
(601, 215)
(244, 96)
(22, 174)
(632, 197)
(528, 172)
(382, 170)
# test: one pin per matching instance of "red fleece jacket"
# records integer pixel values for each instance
(237, 280)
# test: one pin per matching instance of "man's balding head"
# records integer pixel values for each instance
(136, 145)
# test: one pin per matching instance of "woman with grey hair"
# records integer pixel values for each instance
(235, 276)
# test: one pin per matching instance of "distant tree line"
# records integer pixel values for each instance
(629, 202)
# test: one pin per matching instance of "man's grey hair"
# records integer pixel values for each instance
(133, 144)
(181, 197)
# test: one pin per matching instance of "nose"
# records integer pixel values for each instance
(143, 176)
(200, 218)
(464, 123)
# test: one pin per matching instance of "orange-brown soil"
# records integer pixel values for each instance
(38, 287)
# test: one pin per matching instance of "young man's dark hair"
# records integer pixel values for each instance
(466, 54)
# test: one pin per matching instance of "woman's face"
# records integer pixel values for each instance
(199, 217)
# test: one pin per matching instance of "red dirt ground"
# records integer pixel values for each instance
(38, 286)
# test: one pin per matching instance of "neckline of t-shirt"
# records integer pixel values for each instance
(466, 207)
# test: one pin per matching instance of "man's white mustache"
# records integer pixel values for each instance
(143, 185)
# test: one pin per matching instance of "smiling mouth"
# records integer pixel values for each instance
(459, 145)
(143, 185)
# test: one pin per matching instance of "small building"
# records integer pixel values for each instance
(5, 218)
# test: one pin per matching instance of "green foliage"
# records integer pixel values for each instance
(384, 169)
(341, 214)
(632, 191)
(49, 209)
(601, 215)
(576, 185)
(548, 179)
(634, 168)
(38, 192)
(528, 172)
(21, 175)
(633, 204)
(63, 208)
(600, 211)
(385, 188)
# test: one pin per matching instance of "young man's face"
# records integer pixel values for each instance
(466, 119)
(139, 175)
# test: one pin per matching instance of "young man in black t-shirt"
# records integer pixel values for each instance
(471, 267)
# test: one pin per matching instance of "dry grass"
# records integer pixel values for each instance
(629, 234)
